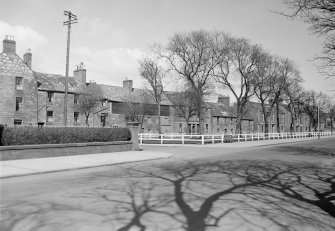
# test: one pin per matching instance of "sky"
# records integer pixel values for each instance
(111, 35)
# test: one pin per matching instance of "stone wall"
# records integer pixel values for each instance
(12, 66)
(53, 150)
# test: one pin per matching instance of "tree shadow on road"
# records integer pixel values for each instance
(261, 195)
(197, 196)
(310, 150)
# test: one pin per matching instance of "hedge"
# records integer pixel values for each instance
(1, 128)
(50, 135)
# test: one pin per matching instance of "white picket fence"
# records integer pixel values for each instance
(151, 138)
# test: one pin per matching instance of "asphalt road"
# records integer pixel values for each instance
(280, 187)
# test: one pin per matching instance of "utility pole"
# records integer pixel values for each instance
(71, 20)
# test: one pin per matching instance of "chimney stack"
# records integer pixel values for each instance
(27, 58)
(128, 84)
(9, 44)
(225, 100)
(80, 74)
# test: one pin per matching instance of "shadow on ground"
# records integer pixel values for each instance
(193, 196)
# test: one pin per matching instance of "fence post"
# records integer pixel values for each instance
(141, 138)
(213, 139)
(182, 138)
(238, 137)
(161, 139)
(221, 138)
(202, 139)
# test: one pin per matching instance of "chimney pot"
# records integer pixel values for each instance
(128, 84)
(225, 100)
(80, 73)
(27, 57)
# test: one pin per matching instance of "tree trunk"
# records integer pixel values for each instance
(159, 118)
(200, 114)
(86, 121)
(266, 123)
(187, 125)
(238, 125)
(277, 118)
(291, 124)
(239, 117)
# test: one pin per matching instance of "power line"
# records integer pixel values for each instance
(71, 20)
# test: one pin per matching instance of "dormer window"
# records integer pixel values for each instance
(18, 83)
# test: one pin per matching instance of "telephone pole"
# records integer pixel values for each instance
(71, 20)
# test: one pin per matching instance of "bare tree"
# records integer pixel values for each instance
(331, 114)
(292, 98)
(154, 75)
(136, 107)
(193, 57)
(287, 72)
(237, 60)
(264, 81)
(320, 14)
(185, 104)
(89, 96)
(314, 104)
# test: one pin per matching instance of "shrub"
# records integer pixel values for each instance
(49, 135)
(1, 128)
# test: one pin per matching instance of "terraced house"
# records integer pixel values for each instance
(30, 98)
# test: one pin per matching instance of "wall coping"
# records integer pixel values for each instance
(67, 145)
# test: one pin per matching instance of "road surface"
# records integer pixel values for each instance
(279, 187)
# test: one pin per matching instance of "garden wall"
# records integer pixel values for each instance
(54, 150)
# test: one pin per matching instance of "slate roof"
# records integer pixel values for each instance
(119, 94)
(53, 82)
(219, 110)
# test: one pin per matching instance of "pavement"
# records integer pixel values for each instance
(23, 167)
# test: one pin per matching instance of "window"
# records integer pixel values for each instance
(50, 115)
(76, 117)
(18, 83)
(103, 103)
(75, 99)
(18, 106)
(50, 96)
(17, 122)
(206, 128)
(103, 119)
